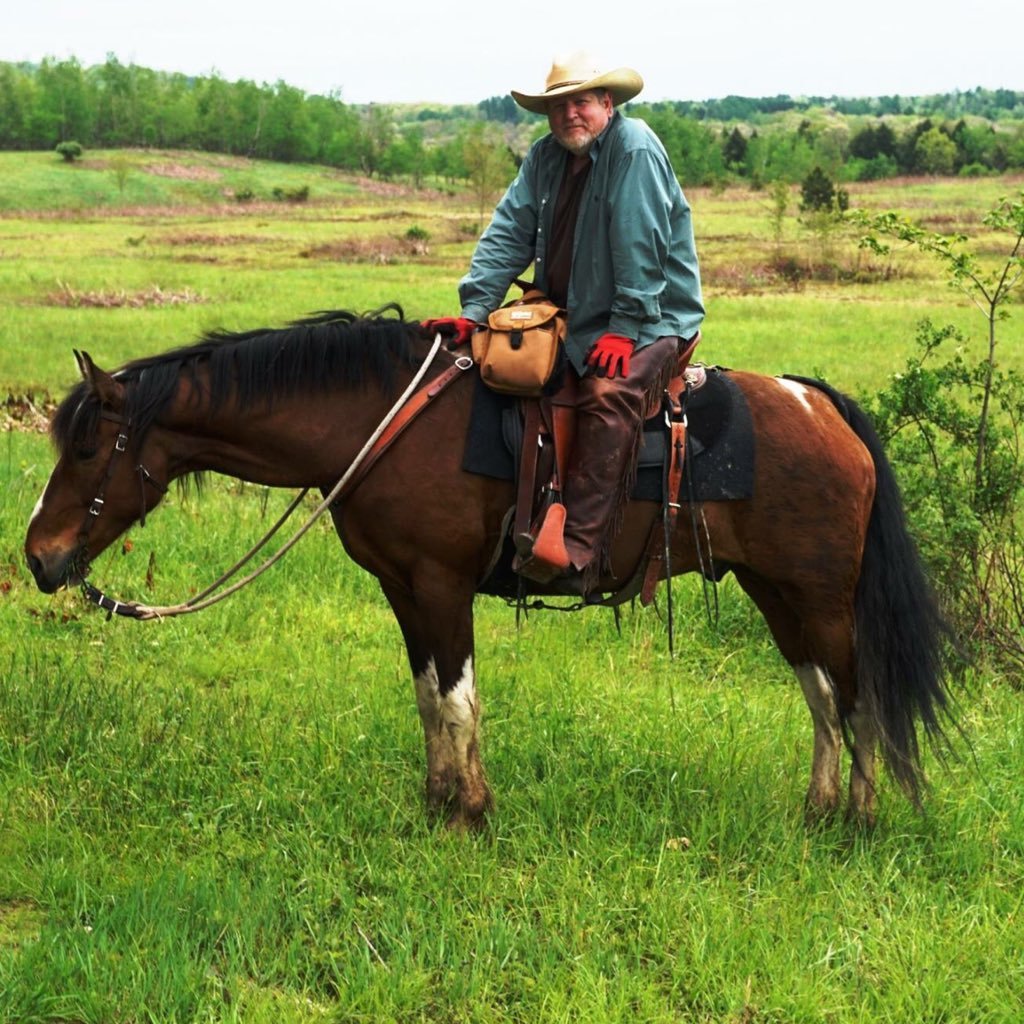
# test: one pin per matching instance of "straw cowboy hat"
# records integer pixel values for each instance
(577, 73)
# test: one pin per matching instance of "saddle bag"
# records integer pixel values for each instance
(522, 345)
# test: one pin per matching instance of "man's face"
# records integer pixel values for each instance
(577, 119)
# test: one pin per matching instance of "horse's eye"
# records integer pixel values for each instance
(85, 454)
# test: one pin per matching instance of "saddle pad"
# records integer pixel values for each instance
(720, 442)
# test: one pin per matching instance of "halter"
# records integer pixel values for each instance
(145, 477)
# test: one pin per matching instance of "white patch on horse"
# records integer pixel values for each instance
(38, 509)
(460, 710)
(428, 700)
(449, 724)
(820, 697)
(796, 389)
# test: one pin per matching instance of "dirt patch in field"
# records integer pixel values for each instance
(154, 295)
(198, 238)
(29, 413)
(181, 172)
(791, 273)
(380, 251)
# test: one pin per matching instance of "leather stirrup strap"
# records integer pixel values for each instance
(528, 466)
(662, 533)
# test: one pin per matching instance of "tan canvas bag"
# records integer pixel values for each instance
(521, 346)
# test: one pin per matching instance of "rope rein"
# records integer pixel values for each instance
(209, 596)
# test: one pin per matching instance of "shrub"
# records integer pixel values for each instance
(70, 151)
(291, 195)
(956, 431)
(818, 192)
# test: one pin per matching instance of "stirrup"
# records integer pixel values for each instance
(543, 556)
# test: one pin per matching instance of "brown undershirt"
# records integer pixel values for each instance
(563, 227)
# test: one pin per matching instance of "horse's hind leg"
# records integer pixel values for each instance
(439, 640)
(792, 636)
(861, 807)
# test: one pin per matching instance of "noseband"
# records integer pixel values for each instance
(145, 477)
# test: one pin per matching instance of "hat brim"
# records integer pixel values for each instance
(622, 83)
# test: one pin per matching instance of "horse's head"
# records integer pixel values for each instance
(104, 480)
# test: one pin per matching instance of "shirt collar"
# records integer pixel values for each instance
(595, 149)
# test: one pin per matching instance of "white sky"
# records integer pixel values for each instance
(463, 51)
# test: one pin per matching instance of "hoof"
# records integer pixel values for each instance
(820, 811)
(862, 818)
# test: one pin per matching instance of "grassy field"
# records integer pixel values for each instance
(219, 818)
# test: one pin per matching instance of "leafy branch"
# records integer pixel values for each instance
(987, 290)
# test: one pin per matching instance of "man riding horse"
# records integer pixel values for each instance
(598, 211)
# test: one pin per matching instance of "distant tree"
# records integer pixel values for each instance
(120, 168)
(734, 149)
(406, 155)
(16, 98)
(287, 133)
(818, 193)
(873, 141)
(117, 112)
(489, 166)
(694, 149)
(377, 134)
(501, 108)
(447, 160)
(935, 152)
(777, 212)
(62, 108)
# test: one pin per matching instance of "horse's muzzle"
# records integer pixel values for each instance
(53, 572)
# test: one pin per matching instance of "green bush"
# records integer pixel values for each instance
(70, 151)
(955, 430)
(291, 195)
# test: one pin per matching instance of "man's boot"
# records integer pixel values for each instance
(610, 414)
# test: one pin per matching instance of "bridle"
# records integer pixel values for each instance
(408, 406)
(95, 509)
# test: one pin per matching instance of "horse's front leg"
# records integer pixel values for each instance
(438, 631)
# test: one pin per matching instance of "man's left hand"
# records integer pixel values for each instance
(610, 355)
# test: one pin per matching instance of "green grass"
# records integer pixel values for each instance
(219, 817)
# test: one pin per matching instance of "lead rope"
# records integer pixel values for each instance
(207, 597)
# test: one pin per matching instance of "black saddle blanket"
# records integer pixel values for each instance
(719, 455)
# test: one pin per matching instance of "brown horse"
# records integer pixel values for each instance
(820, 546)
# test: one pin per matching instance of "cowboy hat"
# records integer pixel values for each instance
(577, 73)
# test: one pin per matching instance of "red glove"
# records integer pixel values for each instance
(610, 355)
(457, 329)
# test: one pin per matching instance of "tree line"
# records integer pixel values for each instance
(114, 105)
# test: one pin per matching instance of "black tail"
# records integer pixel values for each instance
(901, 634)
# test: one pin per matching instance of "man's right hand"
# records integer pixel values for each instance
(457, 330)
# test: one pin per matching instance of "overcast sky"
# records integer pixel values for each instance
(456, 51)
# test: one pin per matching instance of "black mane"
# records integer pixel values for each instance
(319, 352)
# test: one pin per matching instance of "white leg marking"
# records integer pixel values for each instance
(824, 788)
(796, 389)
(460, 711)
(440, 756)
(450, 724)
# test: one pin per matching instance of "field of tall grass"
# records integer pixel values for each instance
(220, 817)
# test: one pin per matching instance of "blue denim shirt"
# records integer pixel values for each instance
(634, 267)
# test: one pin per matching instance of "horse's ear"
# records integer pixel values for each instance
(106, 389)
